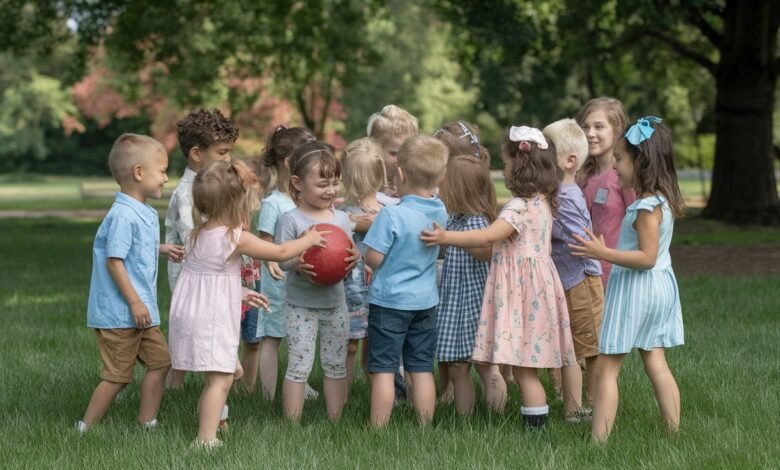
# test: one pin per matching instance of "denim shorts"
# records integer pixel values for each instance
(393, 334)
(249, 327)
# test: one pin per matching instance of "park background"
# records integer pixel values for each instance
(74, 74)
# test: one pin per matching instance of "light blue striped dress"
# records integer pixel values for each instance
(642, 307)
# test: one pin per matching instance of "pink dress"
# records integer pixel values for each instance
(524, 320)
(607, 201)
(205, 320)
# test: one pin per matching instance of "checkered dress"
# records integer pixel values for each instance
(460, 295)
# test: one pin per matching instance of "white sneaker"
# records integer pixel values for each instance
(151, 424)
(81, 427)
(197, 444)
(223, 425)
(310, 394)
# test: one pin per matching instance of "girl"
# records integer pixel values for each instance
(206, 304)
(470, 197)
(364, 175)
(642, 305)
(462, 138)
(314, 182)
(524, 321)
(603, 119)
(271, 328)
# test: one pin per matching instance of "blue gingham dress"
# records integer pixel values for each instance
(460, 295)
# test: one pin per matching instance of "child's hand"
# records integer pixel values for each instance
(434, 237)
(275, 271)
(255, 299)
(174, 253)
(316, 238)
(368, 274)
(141, 315)
(352, 259)
(305, 269)
(593, 248)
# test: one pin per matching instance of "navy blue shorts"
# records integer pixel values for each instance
(393, 334)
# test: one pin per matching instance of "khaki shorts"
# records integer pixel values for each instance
(121, 347)
(586, 302)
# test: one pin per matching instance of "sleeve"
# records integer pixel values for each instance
(268, 218)
(119, 237)
(382, 233)
(647, 204)
(514, 213)
(286, 231)
(184, 223)
(477, 222)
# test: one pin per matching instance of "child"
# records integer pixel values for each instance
(314, 183)
(470, 197)
(271, 328)
(581, 277)
(602, 119)
(524, 321)
(206, 305)
(642, 307)
(364, 175)
(122, 304)
(204, 136)
(390, 127)
(402, 296)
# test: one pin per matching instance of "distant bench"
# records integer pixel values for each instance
(101, 190)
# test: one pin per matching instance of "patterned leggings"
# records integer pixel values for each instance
(302, 325)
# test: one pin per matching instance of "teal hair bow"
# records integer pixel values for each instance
(642, 130)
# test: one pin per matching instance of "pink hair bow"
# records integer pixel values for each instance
(527, 134)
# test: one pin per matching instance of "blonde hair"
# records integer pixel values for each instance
(462, 138)
(569, 139)
(363, 170)
(226, 192)
(423, 160)
(616, 116)
(391, 122)
(468, 188)
(130, 150)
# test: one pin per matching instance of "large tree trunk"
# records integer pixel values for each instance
(743, 179)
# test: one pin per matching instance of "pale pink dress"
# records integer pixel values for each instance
(524, 320)
(205, 320)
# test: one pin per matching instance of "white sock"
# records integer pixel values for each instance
(151, 424)
(81, 427)
(535, 410)
(224, 415)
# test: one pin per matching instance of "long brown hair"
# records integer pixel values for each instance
(279, 145)
(654, 168)
(468, 188)
(616, 116)
(534, 171)
(308, 156)
(225, 192)
(462, 138)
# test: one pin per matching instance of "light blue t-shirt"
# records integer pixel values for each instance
(406, 279)
(273, 207)
(131, 232)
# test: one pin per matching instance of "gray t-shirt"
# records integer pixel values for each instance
(300, 290)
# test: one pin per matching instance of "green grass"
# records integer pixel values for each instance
(728, 374)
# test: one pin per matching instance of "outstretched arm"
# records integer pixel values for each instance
(647, 227)
(250, 245)
(497, 231)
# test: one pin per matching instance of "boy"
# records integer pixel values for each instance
(122, 304)
(581, 277)
(402, 296)
(390, 127)
(204, 136)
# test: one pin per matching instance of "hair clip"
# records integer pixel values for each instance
(527, 134)
(473, 139)
(642, 130)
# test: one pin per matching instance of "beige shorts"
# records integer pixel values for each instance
(121, 347)
(586, 302)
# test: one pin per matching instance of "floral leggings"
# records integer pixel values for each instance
(302, 325)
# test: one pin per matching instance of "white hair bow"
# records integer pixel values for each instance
(530, 134)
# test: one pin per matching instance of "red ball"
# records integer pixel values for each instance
(328, 262)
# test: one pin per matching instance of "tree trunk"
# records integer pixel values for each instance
(743, 179)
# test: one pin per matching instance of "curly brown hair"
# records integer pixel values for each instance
(203, 129)
(534, 171)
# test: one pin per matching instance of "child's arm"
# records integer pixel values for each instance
(273, 267)
(373, 258)
(483, 239)
(174, 252)
(250, 245)
(647, 226)
(362, 222)
(481, 254)
(116, 268)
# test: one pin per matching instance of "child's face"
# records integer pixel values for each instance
(600, 133)
(316, 191)
(153, 175)
(390, 148)
(217, 152)
(624, 165)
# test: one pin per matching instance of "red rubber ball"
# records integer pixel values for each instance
(328, 262)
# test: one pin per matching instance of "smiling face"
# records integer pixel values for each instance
(317, 192)
(624, 165)
(153, 175)
(600, 132)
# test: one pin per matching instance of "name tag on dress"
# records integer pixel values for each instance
(601, 196)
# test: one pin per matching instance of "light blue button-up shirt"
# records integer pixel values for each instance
(131, 232)
(406, 279)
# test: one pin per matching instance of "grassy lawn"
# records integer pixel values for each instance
(728, 374)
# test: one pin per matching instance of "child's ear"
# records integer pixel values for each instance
(195, 154)
(287, 163)
(138, 172)
(571, 161)
(400, 175)
(296, 182)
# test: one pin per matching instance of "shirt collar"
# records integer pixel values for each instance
(146, 212)
(189, 175)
